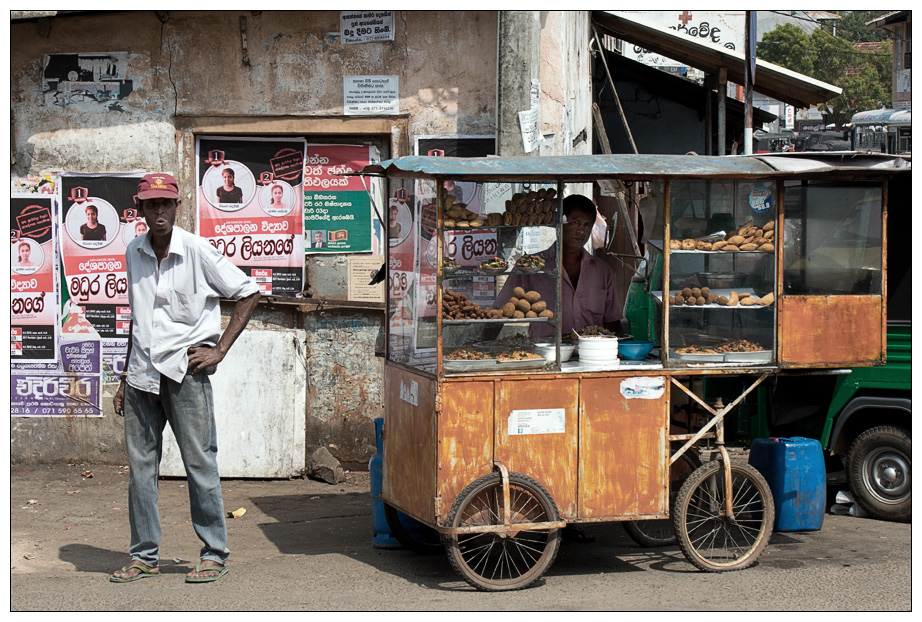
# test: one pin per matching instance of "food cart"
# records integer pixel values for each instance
(497, 439)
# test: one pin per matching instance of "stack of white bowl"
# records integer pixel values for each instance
(598, 350)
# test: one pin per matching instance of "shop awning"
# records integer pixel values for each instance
(639, 167)
(771, 80)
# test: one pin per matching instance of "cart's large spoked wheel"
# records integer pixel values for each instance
(510, 560)
(659, 532)
(709, 538)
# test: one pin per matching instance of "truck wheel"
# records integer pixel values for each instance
(880, 473)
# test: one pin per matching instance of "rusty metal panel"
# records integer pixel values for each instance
(622, 450)
(465, 450)
(831, 330)
(551, 459)
(409, 443)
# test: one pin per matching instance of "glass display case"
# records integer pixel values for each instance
(720, 253)
(484, 281)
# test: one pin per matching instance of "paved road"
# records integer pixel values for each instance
(305, 545)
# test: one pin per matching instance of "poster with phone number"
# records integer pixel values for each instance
(249, 206)
(34, 304)
(467, 248)
(98, 219)
(337, 207)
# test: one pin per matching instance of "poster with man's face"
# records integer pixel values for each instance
(249, 206)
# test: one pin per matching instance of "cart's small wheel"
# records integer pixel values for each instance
(411, 533)
(660, 532)
(496, 562)
(707, 536)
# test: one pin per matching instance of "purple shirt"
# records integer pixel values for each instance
(592, 303)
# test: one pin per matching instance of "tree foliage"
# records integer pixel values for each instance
(864, 77)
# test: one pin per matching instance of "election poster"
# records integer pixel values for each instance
(98, 219)
(466, 247)
(34, 302)
(249, 206)
(71, 387)
(337, 206)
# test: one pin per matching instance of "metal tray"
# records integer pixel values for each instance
(462, 365)
(526, 364)
(759, 356)
(698, 358)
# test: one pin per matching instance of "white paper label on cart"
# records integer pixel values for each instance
(541, 421)
(410, 394)
(643, 388)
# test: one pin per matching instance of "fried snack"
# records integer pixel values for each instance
(748, 247)
(518, 292)
(734, 299)
(749, 301)
(532, 296)
(508, 309)
(539, 306)
(675, 245)
(688, 244)
(768, 226)
(546, 313)
(723, 300)
(768, 247)
(730, 247)
(736, 240)
(767, 299)
(719, 244)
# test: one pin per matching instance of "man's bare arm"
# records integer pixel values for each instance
(202, 357)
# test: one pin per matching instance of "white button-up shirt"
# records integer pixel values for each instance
(176, 305)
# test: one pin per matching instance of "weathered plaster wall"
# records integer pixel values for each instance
(193, 75)
(194, 65)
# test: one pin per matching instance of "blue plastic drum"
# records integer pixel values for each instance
(796, 473)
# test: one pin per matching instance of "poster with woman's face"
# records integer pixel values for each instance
(249, 206)
(33, 278)
(92, 224)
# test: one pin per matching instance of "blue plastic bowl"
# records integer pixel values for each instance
(634, 350)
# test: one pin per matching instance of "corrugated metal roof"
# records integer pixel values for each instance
(772, 80)
(631, 166)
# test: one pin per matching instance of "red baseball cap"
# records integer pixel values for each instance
(158, 186)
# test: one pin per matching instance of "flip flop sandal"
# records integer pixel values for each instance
(198, 568)
(144, 573)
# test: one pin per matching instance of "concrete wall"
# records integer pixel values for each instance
(270, 73)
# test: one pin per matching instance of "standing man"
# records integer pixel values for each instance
(175, 283)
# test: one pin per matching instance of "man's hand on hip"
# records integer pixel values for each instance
(203, 357)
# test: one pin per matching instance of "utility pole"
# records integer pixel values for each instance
(518, 63)
(750, 78)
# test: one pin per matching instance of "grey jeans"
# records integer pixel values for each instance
(189, 409)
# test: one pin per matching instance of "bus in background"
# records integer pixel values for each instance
(887, 130)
